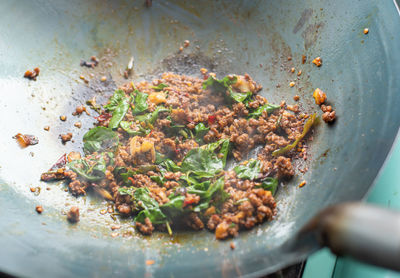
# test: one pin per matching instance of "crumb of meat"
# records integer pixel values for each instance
(319, 96)
(146, 228)
(73, 214)
(114, 234)
(78, 124)
(284, 167)
(32, 74)
(329, 117)
(303, 59)
(303, 183)
(115, 227)
(366, 31)
(296, 98)
(150, 262)
(66, 137)
(93, 62)
(25, 140)
(232, 245)
(47, 128)
(39, 209)
(317, 61)
(79, 110)
(326, 108)
(63, 118)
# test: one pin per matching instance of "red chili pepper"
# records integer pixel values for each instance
(211, 119)
(61, 162)
(149, 135)
(188, 202)
(132, 180)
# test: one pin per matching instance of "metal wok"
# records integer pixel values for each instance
(360, 74)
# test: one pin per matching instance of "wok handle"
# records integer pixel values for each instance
(365, 232)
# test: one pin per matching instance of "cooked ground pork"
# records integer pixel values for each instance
(165, 162)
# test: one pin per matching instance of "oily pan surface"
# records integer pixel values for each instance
(356, 75)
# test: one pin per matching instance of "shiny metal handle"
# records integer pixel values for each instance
(365, 232)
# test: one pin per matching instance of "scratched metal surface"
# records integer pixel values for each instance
(256, 37)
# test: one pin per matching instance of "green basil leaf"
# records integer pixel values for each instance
(219, 85)
(99, 139)
(240, 97)
(202, 163)
(119, 113)
(139, 103)
(125, 125)
(149, 207)
(266, 107)
(223, 145)
(249, 171)
(169, 165)
(158, 179)
(160, 158)
(126, 191)
(159, 87)
(307, 126)
(151, 117)
(200, 130)
(270, 184)
(115, 100)
(89, 169)
(174, 207)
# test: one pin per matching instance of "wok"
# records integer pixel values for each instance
(359, 75)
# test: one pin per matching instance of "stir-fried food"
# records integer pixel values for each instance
(161, 151)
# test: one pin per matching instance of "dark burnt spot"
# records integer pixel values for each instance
(310, 34)
(305, 16)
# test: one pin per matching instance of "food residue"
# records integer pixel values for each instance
(39, 209)
(366, 31)
(150, 262)
(66, 137)
(63, 118)
(319, 96)
(329, 114)
(73, 214)
(79, 110)
(32, 74)
(303, 183)
(317, 61)
(93, 62)
(158, 153)
(25, 140)
(303, 59)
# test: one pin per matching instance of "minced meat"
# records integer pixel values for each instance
(159, 166)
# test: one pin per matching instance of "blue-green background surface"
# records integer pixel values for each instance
(385, 193)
